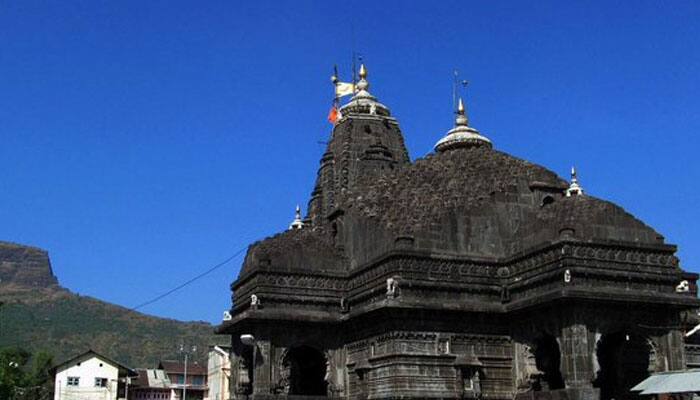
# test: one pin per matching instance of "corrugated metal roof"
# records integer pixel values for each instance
(670, 382)
(152, 378)
(178, 367)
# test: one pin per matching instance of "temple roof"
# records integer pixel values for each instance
(464, 178)
(586, 217)
(295, 249)
(465, 199)
(476, 200)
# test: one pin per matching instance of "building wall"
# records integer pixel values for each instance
(87, 370)
(219, 373)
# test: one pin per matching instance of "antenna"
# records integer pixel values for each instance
(455, 84)
(352, 45)
(454, 91)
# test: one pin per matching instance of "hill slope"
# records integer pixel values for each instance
(38, 314)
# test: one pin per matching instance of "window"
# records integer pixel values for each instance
(547, 200)
(100, 382)
(198, 380)
(179, 379)
(73, 381)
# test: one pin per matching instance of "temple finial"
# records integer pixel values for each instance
(574, 187)
(362, 84)
(461, 119)
(297, 223)
(362, 101)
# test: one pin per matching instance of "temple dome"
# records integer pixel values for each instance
(479, 201)
(584, 217)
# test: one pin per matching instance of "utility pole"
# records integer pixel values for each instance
(183, 349)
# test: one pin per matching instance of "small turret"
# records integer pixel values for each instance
(297, 223)
(574, 187)
(462, 135)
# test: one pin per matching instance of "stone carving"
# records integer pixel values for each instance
(283, 384)
(392, 288)
(530, 376)
(254, 301)
(475, 383)
(242, 383)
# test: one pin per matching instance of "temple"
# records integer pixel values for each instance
(468, 273)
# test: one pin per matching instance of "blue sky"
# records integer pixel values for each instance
(143, 142)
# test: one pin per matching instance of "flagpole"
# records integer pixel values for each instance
(354, 71)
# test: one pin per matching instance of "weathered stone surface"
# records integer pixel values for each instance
(25, 266)
(466, 274)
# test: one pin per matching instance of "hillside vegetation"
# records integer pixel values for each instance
(65, 324)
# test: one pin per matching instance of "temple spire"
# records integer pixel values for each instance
(297, 223)
(462, 135)
(574, 187)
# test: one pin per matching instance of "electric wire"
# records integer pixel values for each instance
(190, 281)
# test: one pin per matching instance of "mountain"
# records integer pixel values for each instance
(38, 314)
(26, 266)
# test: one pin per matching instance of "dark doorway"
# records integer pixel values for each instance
(307, 371)
(548, 360)
(624, 362)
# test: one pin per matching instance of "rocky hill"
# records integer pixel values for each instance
(25, 266)
(38, 314)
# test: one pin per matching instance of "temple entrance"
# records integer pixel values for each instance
(548, 361)
(306, 367)
(624, 362)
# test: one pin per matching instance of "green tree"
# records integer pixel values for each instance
(23, 376)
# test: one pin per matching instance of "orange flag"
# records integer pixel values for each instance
(333, 115)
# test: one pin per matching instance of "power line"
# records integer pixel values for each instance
(182, 285)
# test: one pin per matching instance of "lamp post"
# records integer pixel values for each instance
(249, 340)
(184, 381)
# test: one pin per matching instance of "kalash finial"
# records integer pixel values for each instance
(362, 84)
(461, 119)
(297, 223)
(362, 101)
(574, 187)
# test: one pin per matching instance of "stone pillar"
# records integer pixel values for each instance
(261, 382)
(577, 356)
(671, 351)
(336, 374)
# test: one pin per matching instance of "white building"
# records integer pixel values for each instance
(91, 376)
(219, 372)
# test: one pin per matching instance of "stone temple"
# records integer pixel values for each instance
(468, 273)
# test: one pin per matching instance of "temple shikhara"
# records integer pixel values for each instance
(468, 273)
